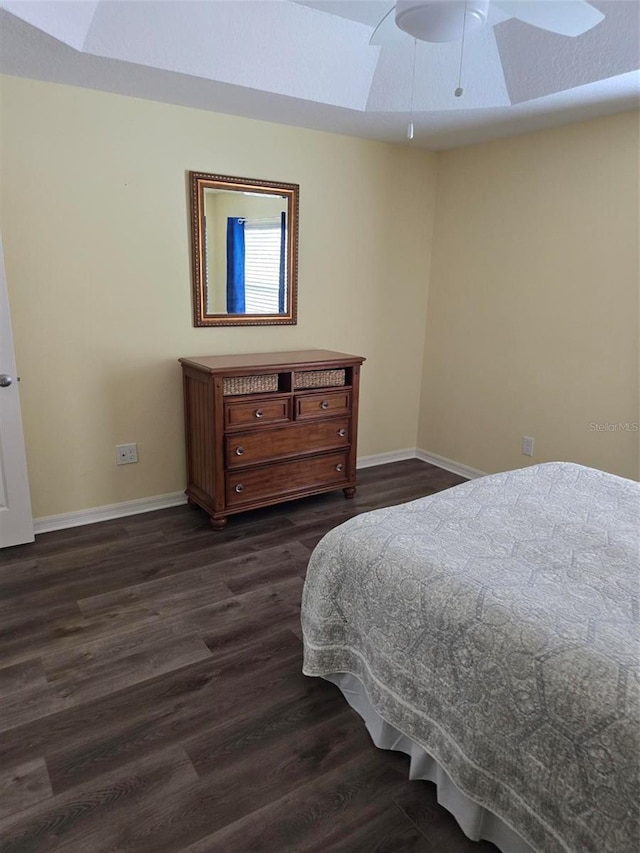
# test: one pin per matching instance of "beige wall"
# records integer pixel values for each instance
(532, 323)
(99, 276)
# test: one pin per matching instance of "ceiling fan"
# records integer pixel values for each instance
(451, 20)
(504, 52)
(441, 21)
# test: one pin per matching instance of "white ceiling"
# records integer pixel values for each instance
(310, 64)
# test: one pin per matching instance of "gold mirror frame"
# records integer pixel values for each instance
(199, 182)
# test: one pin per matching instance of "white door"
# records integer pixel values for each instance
(16, 523)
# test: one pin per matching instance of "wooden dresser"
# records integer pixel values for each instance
(269, 427)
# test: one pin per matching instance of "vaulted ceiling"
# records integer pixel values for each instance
(310, 64)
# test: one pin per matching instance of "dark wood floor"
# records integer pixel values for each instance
(152, 700)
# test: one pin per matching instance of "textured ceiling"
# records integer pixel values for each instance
(310, 64)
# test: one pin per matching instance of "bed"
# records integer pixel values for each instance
(490, 631)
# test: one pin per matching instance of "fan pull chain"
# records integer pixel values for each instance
(458, 92)
(413, 80)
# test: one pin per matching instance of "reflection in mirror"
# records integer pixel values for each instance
(245, 247)
(244, 250)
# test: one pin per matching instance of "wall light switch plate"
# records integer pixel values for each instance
(126, 454)
(527, 445)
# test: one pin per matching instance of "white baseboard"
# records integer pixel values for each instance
(449, 465)
(48, 523)
(104, 513)
(385, 458)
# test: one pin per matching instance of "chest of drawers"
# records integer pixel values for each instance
(269, 427)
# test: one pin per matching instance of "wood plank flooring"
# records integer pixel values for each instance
(152, 699)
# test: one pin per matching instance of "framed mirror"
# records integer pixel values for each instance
(244, 251)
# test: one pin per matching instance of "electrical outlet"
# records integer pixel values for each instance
(527, 445)
(126, 454)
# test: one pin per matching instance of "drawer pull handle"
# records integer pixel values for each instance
(239, 488)
(342, 433)
(324, 404)
(239, 451)
(258, 413)
(339, 466)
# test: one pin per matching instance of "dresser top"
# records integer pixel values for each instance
(271, 360)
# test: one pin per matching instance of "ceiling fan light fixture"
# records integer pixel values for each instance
(440, 20)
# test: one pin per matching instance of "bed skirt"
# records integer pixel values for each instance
(475, 821)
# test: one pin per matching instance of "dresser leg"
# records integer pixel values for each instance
(349, 492)
(218, 523)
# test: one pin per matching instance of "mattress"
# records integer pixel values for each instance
(495, 626)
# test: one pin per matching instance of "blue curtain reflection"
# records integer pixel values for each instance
(235, 265)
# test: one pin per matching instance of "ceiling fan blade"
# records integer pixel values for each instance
(387, 33)
(565, 17)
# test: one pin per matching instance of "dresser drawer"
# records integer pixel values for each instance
(245, 448)
(321, 405)
(257, 412)
(286, 478)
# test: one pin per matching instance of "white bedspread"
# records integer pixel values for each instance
(496, 625)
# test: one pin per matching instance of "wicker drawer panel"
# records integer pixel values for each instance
(286, 478)
(257, 384)
(319, 378)
(257, 413)
(321, 405)
(245, 448)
